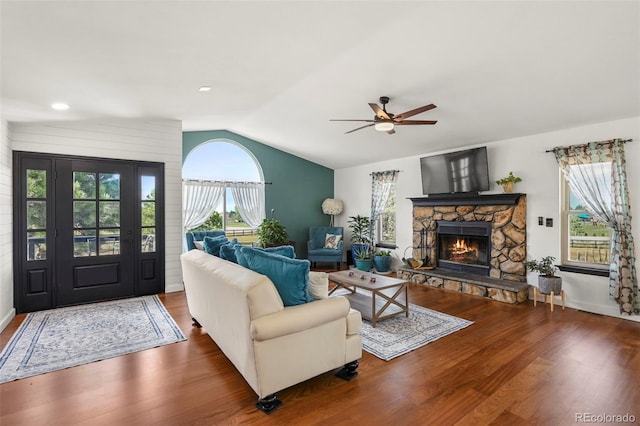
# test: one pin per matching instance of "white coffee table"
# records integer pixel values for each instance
(388, 296)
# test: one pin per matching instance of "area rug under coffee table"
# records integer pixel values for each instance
(398, 335)
(66, 337)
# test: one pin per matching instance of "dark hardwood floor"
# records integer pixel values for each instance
(516, 365)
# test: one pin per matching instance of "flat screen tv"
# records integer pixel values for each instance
(455, 172)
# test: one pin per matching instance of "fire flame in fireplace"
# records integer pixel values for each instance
(461, 251)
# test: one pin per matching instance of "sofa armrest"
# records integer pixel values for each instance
(293, 319)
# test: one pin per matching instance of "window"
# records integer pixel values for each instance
(232, 168)
(387, 220)
(586, 241)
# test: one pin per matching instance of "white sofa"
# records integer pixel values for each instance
(272, 346)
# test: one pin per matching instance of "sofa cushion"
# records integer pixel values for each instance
(290, 276)
(199, 245)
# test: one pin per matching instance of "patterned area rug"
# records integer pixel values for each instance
(399, 334)
(61, 338)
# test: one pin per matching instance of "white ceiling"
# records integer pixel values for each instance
(279, 71)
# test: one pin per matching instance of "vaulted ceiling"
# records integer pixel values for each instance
(279, 71)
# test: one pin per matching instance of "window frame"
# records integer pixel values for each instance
(566, 212)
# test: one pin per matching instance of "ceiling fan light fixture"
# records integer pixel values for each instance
(384, 125)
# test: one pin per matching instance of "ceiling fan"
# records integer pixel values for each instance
(384, 121)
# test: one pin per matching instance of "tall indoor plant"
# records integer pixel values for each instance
(360, 227)
(547, 280)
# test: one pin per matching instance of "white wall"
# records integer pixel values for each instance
(142, 140)
(526, 157)
(7, 312)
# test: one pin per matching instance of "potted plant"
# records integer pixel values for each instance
(361, 241)
(547, 280)
(271, 232)
(382, 260)
(507, 182)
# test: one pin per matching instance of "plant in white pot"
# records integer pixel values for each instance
(547, 280)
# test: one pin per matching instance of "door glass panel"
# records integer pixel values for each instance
(84, 243)
(148, 240)
(84, 214)
(109, 213)
(109, 186)
(37, 245)
(36, 214)
(84, 185)
(148, 213)
(36, 183)
(109, 242)
(148, 187)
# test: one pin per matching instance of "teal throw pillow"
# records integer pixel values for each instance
(228, 252)
(212, 244)
(290, 276)
(286, 251)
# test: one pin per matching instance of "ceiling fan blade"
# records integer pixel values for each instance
(365, 121)
(413, 112)
(380, 113)
(405, 122)
(366, 125)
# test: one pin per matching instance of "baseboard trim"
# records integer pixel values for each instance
(7, 318)
(172, 288)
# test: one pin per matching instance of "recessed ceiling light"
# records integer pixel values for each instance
(204, 89)
(60, 106)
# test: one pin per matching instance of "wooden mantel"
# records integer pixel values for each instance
(463, 199)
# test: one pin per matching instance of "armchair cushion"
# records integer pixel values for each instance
(332, 241)
(290, 276)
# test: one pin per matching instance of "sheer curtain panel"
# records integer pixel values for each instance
(199, 200)
(249, 199)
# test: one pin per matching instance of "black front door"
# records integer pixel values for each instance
(86, 230)
(95, 225)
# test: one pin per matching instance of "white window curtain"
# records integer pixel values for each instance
(381, 184)
(249, 199)
(199, 200)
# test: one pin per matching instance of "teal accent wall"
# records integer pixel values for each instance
(298, 186)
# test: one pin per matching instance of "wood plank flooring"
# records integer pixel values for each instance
(516, 365)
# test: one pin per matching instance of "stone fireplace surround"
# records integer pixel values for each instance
(507, 214)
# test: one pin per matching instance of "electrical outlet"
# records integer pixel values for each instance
(549, 222)
(540, 220)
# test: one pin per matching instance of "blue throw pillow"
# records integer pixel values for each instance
(286, 251)
(212, 244)
(290, 276)
(228, 252)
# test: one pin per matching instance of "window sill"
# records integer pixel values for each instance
(386, 246)
(584, 270)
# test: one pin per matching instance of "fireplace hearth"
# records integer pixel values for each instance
(464, 246)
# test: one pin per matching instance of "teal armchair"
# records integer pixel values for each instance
(317, 252)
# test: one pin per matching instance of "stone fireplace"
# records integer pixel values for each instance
(473, 244)
(494, 225)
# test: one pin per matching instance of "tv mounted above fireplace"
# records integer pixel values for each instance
(464, 171)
